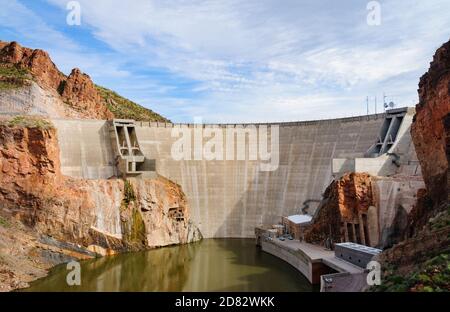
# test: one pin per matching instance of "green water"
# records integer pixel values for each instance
(211, 265)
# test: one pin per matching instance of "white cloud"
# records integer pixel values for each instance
(262, 60)
(29, 26)
(33, 31)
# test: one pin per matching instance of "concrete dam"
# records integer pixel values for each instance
(228, 198)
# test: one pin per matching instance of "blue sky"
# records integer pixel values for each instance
(240, 61)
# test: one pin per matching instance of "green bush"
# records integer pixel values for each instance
(12, 77)
(430, 276)
(27, 122)
(129, 195)
(126, 109)
(4, 222)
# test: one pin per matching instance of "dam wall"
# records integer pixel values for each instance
(228, 198)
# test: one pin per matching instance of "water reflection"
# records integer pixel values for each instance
(211, 265)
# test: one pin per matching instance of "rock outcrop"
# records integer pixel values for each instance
(428, 131)
(24, 256)
(37, 61)
(77, 90)
(345, 202)
(80, 93)
(42, 89)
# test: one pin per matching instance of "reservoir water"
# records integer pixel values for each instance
(210, 265)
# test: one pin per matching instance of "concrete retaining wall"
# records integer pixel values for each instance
(229, 198)
(85, 148)
(311, 266)
(299, 261)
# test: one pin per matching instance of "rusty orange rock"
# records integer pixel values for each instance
(37, 61)
(343, 201)
(427, 130)
(77, 89)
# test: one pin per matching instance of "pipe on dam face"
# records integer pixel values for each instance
(228, 198)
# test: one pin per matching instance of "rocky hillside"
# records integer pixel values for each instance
(74, 217)
(30, 83)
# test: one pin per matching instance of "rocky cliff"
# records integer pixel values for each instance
(344, 202)
(430, 136)
(31, 83)
(428, 131)
(37, 62)
(87, 216)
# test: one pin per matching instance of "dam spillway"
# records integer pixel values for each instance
(228, 198)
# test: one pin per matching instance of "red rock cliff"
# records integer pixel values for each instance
(428, 127)
(345, 203)
(38, 62)
(77, 90)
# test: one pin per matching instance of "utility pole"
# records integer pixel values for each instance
(375, 104)
(367, 105)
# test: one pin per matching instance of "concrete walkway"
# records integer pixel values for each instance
(319, 254)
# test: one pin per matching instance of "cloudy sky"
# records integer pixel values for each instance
(240, 61)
